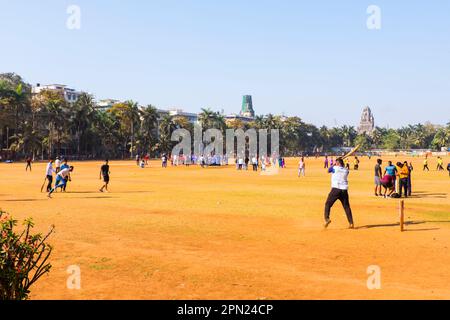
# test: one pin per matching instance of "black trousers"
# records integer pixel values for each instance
(50, 181)
(404, 187)
(342, 195)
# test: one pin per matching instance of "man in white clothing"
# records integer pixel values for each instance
(339, 191)
(49, 173)
(61, 179)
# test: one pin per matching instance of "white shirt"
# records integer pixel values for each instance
(58, 163)
(64, 173)
(241, 161)
(49, 170)
(339, 178)
(301, 165)
(254, 161)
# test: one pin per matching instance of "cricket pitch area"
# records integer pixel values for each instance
(216, 233)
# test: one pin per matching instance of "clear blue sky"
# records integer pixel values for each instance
(314, 59)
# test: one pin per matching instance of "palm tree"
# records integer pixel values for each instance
(442, 138)
(348, 135)
(127, 114)
(206, 118)
(166, 127)
(82, 116)
(149, 125)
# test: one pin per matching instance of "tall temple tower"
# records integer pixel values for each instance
(247, 107)
(367, 124)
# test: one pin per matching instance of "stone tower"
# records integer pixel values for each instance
(367, 124)
(247, 107)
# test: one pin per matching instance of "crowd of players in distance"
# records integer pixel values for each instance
(393, 180)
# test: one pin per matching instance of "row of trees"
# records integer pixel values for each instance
(45, 124)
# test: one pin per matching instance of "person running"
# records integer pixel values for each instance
(339, 191)
(378, 174)
(425, 164)
(440, 164)
(104, 173)
(65, 166)
(301, 168)
(403, 175)
(29, 161)
(49, 173)
(61, 179)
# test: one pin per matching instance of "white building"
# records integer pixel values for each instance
(191, 117)
(71, 95)
(105, 104)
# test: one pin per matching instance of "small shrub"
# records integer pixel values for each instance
(23, 258)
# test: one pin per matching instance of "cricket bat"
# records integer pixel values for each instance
(43, 184)
(351, 153)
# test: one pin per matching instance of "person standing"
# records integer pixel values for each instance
(240, 163)
(403, 175)
(57, 165)
(391, 170)
(29, 161)
(448, 169)
(49, 173)
(411, 168)
(378, 175)
(339, 191)
(164, 161)
(326, 163)
(356, 164)
(301, 168)
(247, 161)
(347, 164)
(105, 173)
(255, 163)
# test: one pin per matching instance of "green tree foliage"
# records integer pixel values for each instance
(23, 258)
(45, 124)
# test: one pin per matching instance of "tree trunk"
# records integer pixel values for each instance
(132, 139)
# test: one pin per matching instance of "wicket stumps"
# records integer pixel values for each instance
(402, 215)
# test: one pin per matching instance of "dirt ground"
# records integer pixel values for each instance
(192, 233)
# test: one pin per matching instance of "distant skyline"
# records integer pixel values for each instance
(316, 60)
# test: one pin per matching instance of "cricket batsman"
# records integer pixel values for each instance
(339, 191)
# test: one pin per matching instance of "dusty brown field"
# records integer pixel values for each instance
(188, 233)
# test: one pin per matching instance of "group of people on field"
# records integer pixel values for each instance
(395, 180)
(439, 165)
(62, 172)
